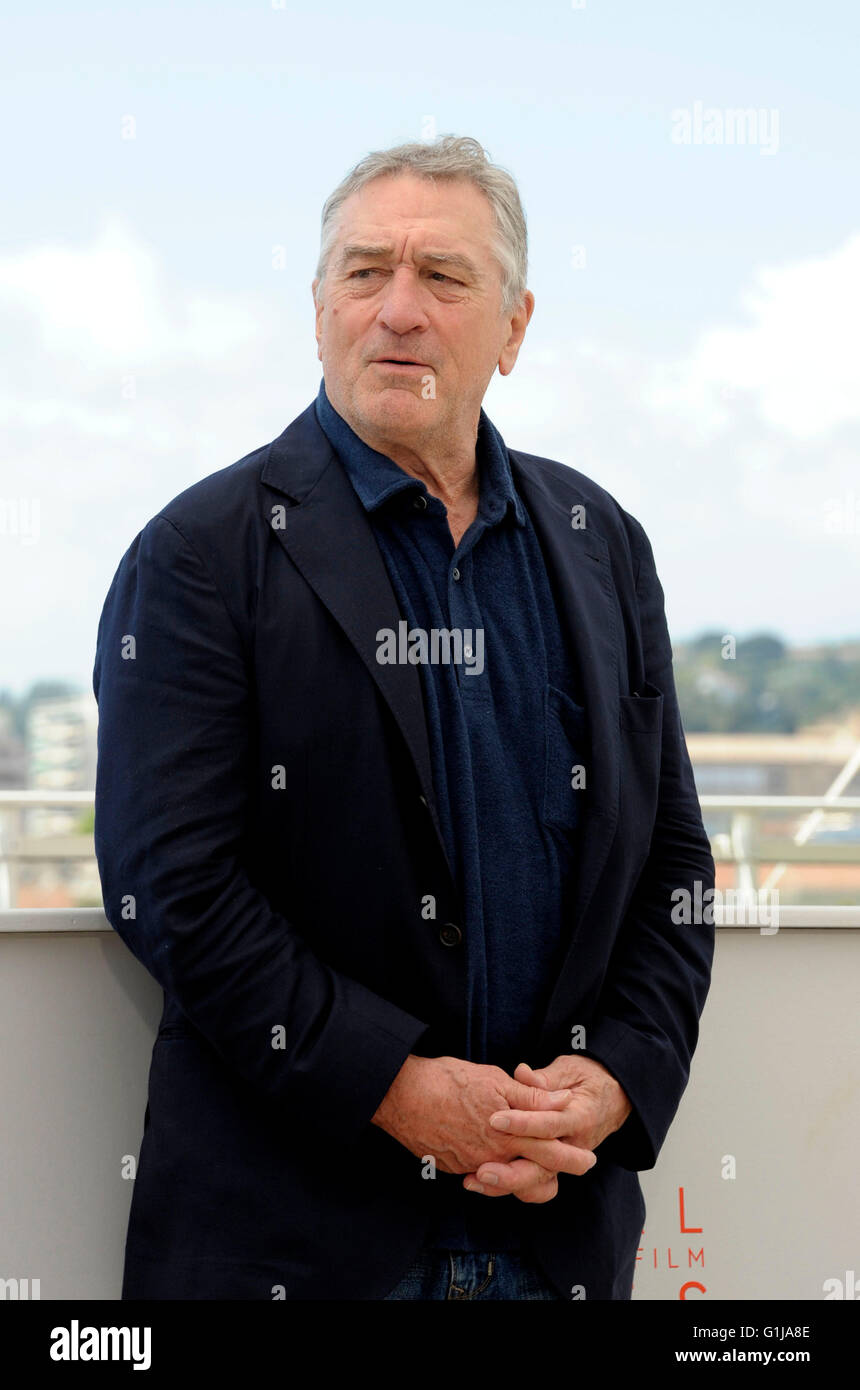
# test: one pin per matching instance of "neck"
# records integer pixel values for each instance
(449, 474)
(447, 465)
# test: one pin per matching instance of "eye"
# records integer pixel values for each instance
(438, 274)
(365, 270)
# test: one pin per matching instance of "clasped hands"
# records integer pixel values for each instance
(505, 1135)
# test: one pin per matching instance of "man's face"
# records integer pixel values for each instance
(411, 276)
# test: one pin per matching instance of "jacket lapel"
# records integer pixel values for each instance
(328, 537)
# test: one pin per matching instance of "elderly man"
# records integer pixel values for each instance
(392, 800)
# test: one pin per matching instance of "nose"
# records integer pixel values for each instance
(402, 309)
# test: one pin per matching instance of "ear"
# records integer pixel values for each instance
(318, 307)
(519, 320)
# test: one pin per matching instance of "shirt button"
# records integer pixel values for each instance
(455, 573)
(420, 502)
(450, 935)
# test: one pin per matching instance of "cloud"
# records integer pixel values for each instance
(125, 382)
(740, 458)
(109, 303)
(794, 362)
(121, 386)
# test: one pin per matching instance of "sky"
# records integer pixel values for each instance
(691, 185)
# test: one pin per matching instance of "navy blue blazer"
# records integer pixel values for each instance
(267, 839)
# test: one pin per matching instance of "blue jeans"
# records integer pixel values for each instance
(463, 1274)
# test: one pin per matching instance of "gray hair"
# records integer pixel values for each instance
(450, 157)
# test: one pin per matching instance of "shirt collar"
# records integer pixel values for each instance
(376, 478)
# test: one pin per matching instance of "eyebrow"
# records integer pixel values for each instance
(454, 260)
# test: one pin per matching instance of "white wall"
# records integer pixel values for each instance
(775, 1085)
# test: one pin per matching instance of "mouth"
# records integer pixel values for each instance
(402, 363)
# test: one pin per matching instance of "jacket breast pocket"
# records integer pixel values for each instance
(566, 756)
(643, 712)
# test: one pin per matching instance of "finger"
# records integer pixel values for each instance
(538, 1124)
(523, 1072)
(521, 1178)
(472, 1183)
(558, 1156)
(512, 1176)
(520, 1097)
(500, 1179)
(536, 1078)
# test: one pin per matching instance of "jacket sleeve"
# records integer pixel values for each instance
(646, 1025)
(174, 692)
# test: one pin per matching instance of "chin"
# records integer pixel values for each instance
(393, 404)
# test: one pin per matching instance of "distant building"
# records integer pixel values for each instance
(13, 754)
(55, 867)
(802, 764)
(61, 754)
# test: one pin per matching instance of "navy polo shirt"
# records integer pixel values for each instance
(506, 729)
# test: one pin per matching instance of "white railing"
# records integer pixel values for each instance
(746, 846)
(85, 921)
(747, 842)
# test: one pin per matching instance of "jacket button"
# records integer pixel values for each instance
(450, 935)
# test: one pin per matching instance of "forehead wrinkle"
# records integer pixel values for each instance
(455, 259)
